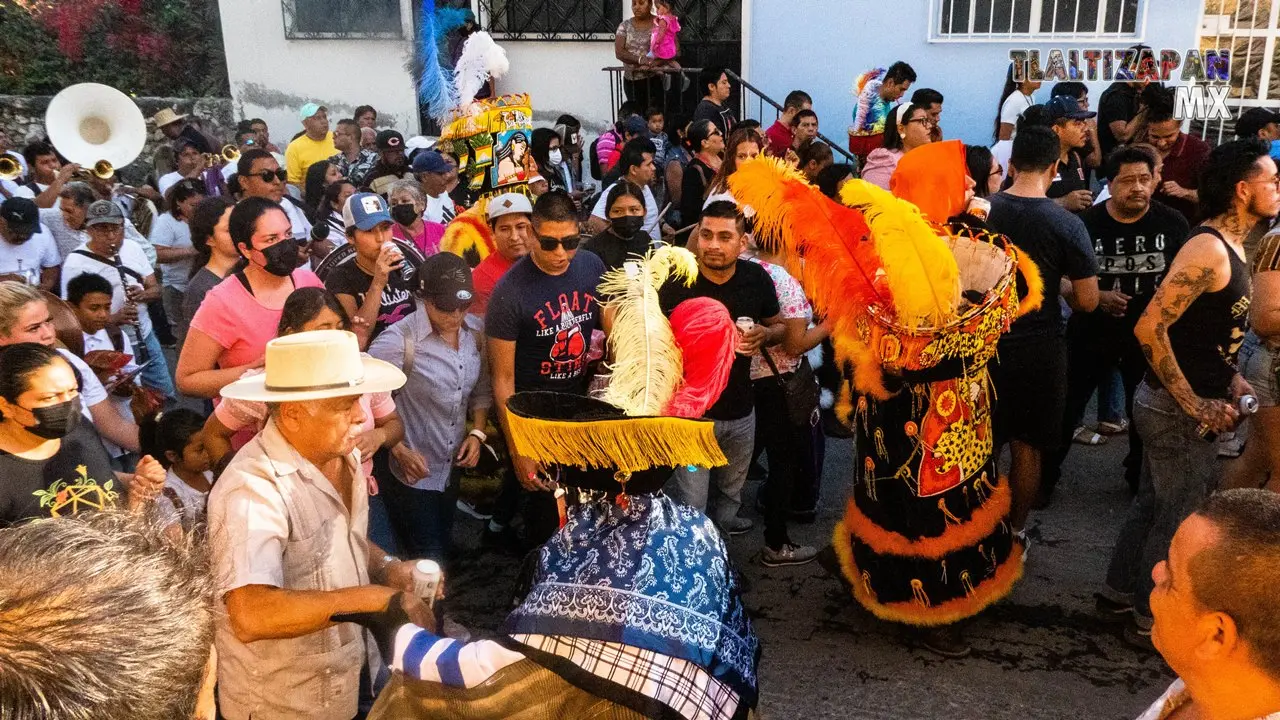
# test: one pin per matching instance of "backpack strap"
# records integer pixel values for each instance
(116, 335)
(113, 262)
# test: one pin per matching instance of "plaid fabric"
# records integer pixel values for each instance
(679, 684)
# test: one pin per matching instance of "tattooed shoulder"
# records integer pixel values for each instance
(1193, 277)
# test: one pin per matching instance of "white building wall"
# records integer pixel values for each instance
(272, 76)
(562, 77)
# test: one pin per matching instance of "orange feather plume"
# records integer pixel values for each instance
(469, 236)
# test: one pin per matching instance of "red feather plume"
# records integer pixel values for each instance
(706, 336)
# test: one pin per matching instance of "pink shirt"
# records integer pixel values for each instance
(428, 241)
(240, 323)
(663, 43)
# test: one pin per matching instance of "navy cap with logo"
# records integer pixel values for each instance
(104, 211)
(1065, 107)
(445, 280)
(389, 140)
(21, 215)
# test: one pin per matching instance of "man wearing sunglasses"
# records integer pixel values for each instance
(539, 322)
(261, 176)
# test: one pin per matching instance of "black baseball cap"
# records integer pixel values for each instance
(445, 280)
(1065, 107)
(1253, 120)
(389, 140)
(21, 215)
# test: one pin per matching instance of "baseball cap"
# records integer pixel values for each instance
(310, 109)
(418, 142)
(635, 125)
(429, 161)
(509, 204)
(104, 211)
(365, 211)
(21, 215)
(389, 140)
(1065, 107)
(1253, 120)
(445, 280)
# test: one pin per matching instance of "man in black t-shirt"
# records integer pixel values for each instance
(1030, 377)
(1118, 114)
(1070, 186)
(539, 323)
(375, 285)
(748, 292)
(1134, 240)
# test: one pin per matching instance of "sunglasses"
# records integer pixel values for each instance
(267, 176)
(549, 244)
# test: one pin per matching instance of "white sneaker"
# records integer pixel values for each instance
(788, 554)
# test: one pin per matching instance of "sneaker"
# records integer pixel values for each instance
(788, 554)
(945, 641)
(474, 511)
(1138, 636)
(737, 526)
(1111, 611)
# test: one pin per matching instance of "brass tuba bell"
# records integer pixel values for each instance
(96, 126)
(9, 168)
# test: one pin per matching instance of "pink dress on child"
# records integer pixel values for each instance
(665, 29)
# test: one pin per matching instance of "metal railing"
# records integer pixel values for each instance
(677, 91)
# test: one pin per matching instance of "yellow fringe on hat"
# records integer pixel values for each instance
(629, 444)
(648, 365)
(921, 271)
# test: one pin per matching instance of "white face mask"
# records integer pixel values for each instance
(555, 156)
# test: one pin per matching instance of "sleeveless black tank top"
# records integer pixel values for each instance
(1208, 336)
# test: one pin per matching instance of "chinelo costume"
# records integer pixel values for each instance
(915, 310)
(633, 609)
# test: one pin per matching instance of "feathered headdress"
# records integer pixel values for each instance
(647, 366)
(444, 89)
(932, 177)
(707, 338)
(469, 234)
(435, 81)
(481, 59)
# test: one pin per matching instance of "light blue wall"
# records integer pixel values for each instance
(820, 46)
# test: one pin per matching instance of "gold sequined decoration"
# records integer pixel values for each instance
(967, 583)
(946, 512)
(917, 589)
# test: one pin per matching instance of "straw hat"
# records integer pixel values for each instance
(315, 365)
(167, 116)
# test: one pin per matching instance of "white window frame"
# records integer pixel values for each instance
(1037, 8)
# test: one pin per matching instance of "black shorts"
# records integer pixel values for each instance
(1030, 380)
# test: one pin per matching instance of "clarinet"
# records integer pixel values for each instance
(140, 353)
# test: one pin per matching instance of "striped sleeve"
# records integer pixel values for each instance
(425, 656)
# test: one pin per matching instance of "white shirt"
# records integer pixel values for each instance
(440, 209)
(1013, 107)
(131, 257)
(91, 390)
(192, 500)
(651, 224)
(168, 181)
(29, 258)
(169, 232)
(16, 190)
(301, 225)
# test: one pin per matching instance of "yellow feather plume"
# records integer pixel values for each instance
(647, 365)
(920, 270)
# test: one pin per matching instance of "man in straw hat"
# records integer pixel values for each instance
(175, 126)
(287, 526)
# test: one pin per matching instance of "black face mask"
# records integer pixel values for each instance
(627, 226)
(56, 421)
(404, 214)
(282, 258)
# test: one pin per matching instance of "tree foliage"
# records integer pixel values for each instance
(142, 47)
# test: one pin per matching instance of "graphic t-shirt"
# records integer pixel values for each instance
(1057, 242)
(749, 293)
(550, 318)
(1133, 257)
(397, 297)
(1071, 177)
(78, 478)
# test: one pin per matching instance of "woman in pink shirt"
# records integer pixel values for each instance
(229, 332)
(235, 422)
(407, 205)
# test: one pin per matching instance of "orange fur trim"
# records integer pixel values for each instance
(979, 526)
(468, 231)
(989, 592)
(1035, 283)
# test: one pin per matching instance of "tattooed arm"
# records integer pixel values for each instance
(1201, 266)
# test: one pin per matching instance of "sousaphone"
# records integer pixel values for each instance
(96, 126)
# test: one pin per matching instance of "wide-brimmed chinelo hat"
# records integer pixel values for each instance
(315, 365)
(166, 116)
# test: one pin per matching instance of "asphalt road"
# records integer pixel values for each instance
(1039, 654)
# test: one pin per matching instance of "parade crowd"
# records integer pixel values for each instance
(211, 382)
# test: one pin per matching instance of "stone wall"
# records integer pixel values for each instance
(22, 120)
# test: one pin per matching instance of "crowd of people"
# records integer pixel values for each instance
(314, 385)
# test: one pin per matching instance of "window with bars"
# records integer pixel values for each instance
(1036, 19)
(308, 19)
(551, 19)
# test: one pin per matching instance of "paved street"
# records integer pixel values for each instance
(1039, 654)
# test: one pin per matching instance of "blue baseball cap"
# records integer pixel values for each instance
(1065, 107)
(365, 211)
(430, 161)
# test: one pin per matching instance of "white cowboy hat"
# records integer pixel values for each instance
(166, 116)
(315, 365)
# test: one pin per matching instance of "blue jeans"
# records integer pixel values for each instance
(1179, 470)
(156, 373)
(1110, 397)
(718, 491)
(421, 519)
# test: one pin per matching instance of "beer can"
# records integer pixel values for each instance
(745, 323)
(426, 580)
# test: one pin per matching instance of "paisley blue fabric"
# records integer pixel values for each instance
(655, 576)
